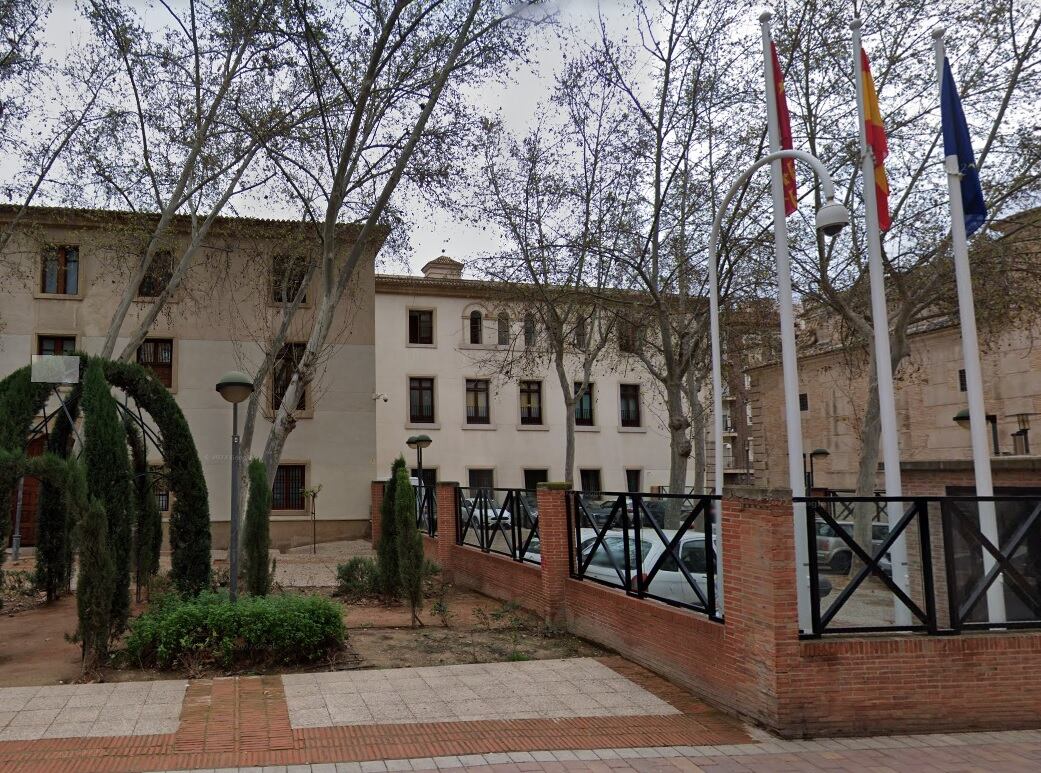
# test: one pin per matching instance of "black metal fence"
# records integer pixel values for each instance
(426, 509)
(502, 521)
(951, 564)
(656, 546)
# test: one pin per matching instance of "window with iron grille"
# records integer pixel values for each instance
(628, 337)
(421, 400)
(580, 334)
(160, 488)
(584, 405)
(158, 276)
(288, 491)
(420, 326)
(60, 345)
(633, 480)
(504, 329)
(60, 270)
(156, 354)
(804, 402)
(282, 375)
(287, 276)
(529, 330)
(531, 402)
(476, 325)
(590, 481)
(477, 411)
(962, 386)
(481, 482)
(629, 398)
(532, 478)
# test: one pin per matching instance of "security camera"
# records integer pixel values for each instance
(380, 396)
(832, 218)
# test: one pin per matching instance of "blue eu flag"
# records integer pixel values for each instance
(956, 142)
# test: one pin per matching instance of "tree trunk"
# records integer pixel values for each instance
(698, 429)
(569, 422)
(679, 442)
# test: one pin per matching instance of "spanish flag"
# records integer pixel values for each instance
(784, 123)
(875, 135)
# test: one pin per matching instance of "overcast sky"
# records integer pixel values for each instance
(435, 230)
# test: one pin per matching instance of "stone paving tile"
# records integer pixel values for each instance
(90, 710)
(539, 689)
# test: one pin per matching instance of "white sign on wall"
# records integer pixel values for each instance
(55, 369)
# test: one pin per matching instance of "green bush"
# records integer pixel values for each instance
(148, 531)
(257, 537)
(357, 578)
(387, 549)
(96, 581)
(256, 631)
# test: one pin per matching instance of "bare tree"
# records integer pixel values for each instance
(996, 52)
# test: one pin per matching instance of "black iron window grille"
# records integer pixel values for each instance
(531, 402)
(501, 521)
(421, 400)
(584, 405)
(651, 546)
(629, 398)
(477, 410)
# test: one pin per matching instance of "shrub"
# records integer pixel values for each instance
(256, 631)
(411, 561)
(96, 582)
(148, 532)
(54, 522)
(358, 577)
(108, 481)
(257, 536)
(387, 549)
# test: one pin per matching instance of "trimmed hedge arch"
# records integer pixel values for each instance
(21, 400)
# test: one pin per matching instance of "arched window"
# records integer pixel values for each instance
(529, 330)
(476, 323)
(504, 329)
(580, 334)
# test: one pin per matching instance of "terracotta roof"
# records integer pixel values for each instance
(444, 260)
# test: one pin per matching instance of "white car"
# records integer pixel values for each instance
(486, 508)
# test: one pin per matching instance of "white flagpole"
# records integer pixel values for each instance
(789, 360)
(971, 357)
(883, 356)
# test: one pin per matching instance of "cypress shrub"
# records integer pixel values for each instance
(410, 544)
(148, 531)
(96, 583)
(55, 523)
(387, 549)
(190, 516)
(108, 482)
(257, 536)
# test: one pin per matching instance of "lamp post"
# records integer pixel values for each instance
(419, 442)
(234, 387)
(831, 219)
(961, 418)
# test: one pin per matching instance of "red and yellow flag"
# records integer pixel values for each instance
(875, 134)
(784, 123)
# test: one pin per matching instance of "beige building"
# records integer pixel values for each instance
(61, 277)
(442, 369)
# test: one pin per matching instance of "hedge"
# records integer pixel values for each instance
(255, 631)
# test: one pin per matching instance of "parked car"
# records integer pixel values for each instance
(489, 508)
(668, 582)
(833, 553)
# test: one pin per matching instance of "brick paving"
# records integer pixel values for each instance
(246, 722)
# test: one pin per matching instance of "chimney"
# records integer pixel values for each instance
(443, 267)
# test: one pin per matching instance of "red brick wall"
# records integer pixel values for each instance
(377, 504)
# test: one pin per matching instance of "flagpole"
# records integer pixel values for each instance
(971, 358)
(880, 329)
(789, 362)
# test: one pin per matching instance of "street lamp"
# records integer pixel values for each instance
(816, 452)
(419, 442)
(234, 387)
(831, 219)
(961, 418)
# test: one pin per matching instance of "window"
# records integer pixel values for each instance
(581, 338)
(481, 482)
(632, 480)
(529, 330)
(590, 481)
(61, 345)
(531, 402)
(477, 401)
(504, 329)
(961, 382)
(287, 277)
(60, 274)
(282, 375)
(429, 476)
(476, 323)
(629, 398)
(692, 554)
(420, 326)
(628, 336)
(160, 488)
(584, 405)
(532, 478)
(613, 547)
(156, 354)
(158, 276)
(288, 491)
(421, 400)
(804, 402)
